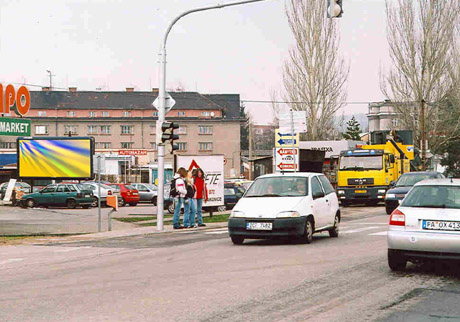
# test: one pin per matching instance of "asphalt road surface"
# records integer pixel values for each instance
(201, 276)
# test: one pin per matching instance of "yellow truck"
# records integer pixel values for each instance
(365, 173)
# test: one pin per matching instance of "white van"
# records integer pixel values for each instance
(286, 205)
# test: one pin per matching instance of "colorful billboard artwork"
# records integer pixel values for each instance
(55, 158)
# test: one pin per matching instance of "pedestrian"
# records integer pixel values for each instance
(179, 198)
(189, 221)
(201, 193)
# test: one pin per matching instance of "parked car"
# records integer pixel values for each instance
(105, 191)
(403, 185)
(147, 192)
(232, 193)
(129, 195)
(426, 225)
(292, 205)
(70, 195)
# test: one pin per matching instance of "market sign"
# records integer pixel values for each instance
(132, 152)
(14, 127)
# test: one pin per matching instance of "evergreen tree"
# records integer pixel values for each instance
(244, 129)
(353, 130)
(451, 159)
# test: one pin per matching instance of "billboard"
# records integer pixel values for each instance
(213, 168)
(55, 157)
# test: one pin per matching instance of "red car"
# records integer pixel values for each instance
(128, 193)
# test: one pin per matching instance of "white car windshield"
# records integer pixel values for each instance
(433, 197)
(411, 179)
(361, 162)
(284, 186)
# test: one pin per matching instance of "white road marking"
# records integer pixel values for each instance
(71, 249)
(11, 260)
(216, 232)
(382, 233)
(359, 230)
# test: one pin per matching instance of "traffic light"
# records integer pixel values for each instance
(338, 8)
(167, 134)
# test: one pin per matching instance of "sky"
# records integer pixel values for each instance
(111, 45)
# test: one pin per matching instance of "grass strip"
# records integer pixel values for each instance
(148, 224)
(135, 219)
(216, 218)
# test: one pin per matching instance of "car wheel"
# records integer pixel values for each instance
(171, 208)
(237, 240)
(71, 203)
(334, 231)
(221, 208)
(389, 210)
(396, 261)
(121, 202)
(308, 234)
(132, 204)
(30, 203)
(154, 201)
(95, 202)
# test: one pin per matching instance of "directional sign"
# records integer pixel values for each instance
(286, 159)
(168, 105)
(285, 139)
(293, 119)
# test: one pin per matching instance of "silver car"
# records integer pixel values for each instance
(426, 225)
(105, 191)
(147, 192)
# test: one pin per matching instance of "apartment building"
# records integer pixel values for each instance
(209, 124)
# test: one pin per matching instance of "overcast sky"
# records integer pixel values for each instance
(114, 44)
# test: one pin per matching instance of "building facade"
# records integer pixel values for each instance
(209, 124)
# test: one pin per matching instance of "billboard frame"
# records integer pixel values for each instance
(61, 138)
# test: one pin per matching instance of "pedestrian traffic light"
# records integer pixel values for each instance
(167, 134)
(337, 8)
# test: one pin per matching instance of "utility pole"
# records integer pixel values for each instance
(423, 135)
(162, 102)
(250, 151)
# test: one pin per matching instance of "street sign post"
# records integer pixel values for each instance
(286, 159)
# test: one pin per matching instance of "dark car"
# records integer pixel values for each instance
(129, 195)
(403, 185)
(232, 193)
(70, 195)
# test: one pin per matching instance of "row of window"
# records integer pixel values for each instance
(125, 129)
(203, 146)
(125, 113)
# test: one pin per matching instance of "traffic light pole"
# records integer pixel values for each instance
(162, 104)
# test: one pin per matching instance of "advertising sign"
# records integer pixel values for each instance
(9, 190)
(132, 152)
(14, 127)
(286, 159)
(56, 158)
(213, 168)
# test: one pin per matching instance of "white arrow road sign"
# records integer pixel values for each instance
(170, 102)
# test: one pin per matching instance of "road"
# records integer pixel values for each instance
(200, 275)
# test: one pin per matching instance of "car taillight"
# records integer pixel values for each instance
(397, 218)
(79, 195)
(109, 192)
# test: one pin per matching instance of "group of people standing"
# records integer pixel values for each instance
(191, 190)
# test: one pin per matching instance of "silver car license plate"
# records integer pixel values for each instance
(441, 225)
(259, 226)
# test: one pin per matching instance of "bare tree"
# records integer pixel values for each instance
(422, 36)
(314, 75)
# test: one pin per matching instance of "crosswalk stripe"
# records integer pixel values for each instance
(11, 260)
(382, 233)
(359, 230)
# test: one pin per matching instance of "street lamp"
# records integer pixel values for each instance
(162, 102)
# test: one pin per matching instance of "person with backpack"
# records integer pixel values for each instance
(201, 193)
(189, 221)
(178, 192)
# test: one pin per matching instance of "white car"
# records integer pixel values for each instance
(286, 205)
(105, 191)
(426, 225)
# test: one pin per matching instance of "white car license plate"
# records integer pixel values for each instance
(87, 196)
(441, 225)
(259, 226)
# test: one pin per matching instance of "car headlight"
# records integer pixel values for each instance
(340, 192)
(382, 191)
(391, 195)
(237, 214)
(288, 214)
